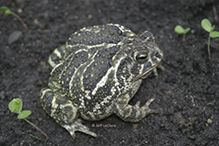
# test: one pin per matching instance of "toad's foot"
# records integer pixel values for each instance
(146, 107)
(132, 113)
(77, 126)
(155, 70)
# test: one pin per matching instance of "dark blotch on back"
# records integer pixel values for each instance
(105, 34)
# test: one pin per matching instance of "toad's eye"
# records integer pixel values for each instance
(141, 57)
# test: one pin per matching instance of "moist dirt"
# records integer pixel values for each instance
(186, 92)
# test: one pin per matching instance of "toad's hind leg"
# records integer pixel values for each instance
(56, 56)
(63, 111)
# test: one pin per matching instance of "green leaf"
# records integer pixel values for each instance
(5, 10)
(206, 24)
(186, 30)
(178, 29)
(24, 114)
(214, 34)
(15, 106)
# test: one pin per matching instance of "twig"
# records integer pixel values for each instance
(208, 104)
(215, 12)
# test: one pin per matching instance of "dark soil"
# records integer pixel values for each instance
(187, 92)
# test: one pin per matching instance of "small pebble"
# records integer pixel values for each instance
(89, 16)
(40, 119)
(209, 121)
(19, 10)
(14, 36)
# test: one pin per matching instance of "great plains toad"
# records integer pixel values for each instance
(96, 74)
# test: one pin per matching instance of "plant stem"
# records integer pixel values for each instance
(184, 37)
(22, 22)
(209, 53)
(37, 128)
(36, 137)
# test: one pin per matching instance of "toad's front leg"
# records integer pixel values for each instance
(131, 113)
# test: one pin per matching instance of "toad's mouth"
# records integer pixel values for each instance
(145, 74)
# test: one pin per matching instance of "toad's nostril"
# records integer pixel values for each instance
(157, 54)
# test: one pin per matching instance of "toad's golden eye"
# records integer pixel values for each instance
(141, 57)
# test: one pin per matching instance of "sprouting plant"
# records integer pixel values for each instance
(206, 25)
(180, 30)
(15, 106)
(7, 11)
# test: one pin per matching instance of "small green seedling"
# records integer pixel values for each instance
(7, 11)
(180, 30)
(206, 24)
(15, 106)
